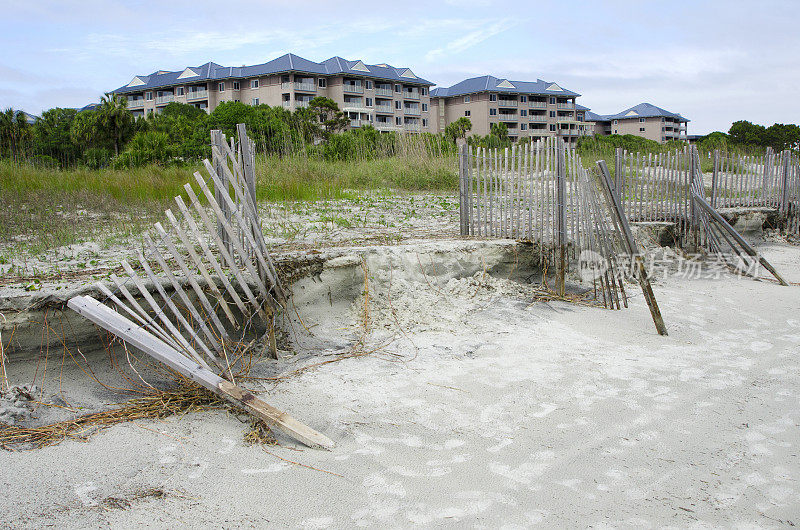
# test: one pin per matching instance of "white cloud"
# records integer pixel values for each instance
(470, 39)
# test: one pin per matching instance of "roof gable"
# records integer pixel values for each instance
(408, 73)
(137, 81)
(188, 73)
(555, 87)
(360, 66)
(505, 83)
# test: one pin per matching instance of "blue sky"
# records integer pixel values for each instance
(713, 61)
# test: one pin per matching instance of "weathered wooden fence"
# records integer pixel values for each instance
(199, 330)
(657, 187)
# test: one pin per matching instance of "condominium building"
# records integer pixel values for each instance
(534, 109)
(389, 98)
(645, 120)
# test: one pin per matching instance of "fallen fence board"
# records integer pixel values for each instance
(133, 334)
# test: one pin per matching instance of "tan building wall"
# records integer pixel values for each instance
(659, 129)
(525, 115)
(388, 105)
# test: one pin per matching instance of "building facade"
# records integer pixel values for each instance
(534, 109)
(645, 120)
(388, 98)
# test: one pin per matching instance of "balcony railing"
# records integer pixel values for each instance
(163, 100)
(410, 95)
(412, 127)
(197, 94)
(297, 85)
(286, 104)
(385, 126)
(507, 102)
(412, 111)
(359, 123)
(509, 118)
(537, 104)
(353, 89)
(135, 103)
(385, 109)
(537, 118)
(384, 92)
(566, 105)
(301, 103)
(353, 105)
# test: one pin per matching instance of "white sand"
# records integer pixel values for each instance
(494, 413)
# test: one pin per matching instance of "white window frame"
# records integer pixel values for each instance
(180, 91)
(466, 99)
(221, 87)
(492, 112)
(148, 96)
(322, 82)
(467, 113)
(492, 97)
(254, 84)
(254, 102)
(236, 85)
(424, 107)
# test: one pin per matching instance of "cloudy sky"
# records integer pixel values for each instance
(713, 61)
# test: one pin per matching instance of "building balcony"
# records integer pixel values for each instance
(302, 103)
(353, 105)
(384, 92)
(303, 87)
(135, 103)
(384, 109)
(507, 102)
(163, 100)
(410, 95)
(566, 106)
(411, 111)
(537, 118)
(353, 89)
(286, 104)
(359, 123)
(414, 127)
(508, 118)
(537, 104)
(385, 126)
(197, 94)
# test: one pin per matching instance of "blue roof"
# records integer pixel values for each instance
(642, 110)
(488, 83)
(30, 118)
(285, 63)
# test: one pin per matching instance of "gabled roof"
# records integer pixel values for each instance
(642, 110)
(488, 83)
(285, 63)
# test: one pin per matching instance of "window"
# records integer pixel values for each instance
(368, 85)
(492, 112)
(552, 101)
(322, 83)
(523, 112)
(221, 87)
(148, 96)
(397, 121)
(285, 79)
(466, 99)
(615, 131)
(424, 122)
(553, 127)
(523, 98)
(492, 97)
(467, 113)
(398, 105)
(180, 90)
(641, 129)
(424, 107)
(641, 120)
(614, 122)
(552, 114)
(254, 83)
(369, 102)
(398, 88)
(523, 126)
(254, 101)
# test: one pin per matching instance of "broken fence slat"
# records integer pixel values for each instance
(133, 334)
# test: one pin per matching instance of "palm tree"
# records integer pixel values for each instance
(114, 117)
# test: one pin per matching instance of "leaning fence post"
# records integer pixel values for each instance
(615, 207)
(784, 204)
(618, 172)
(561, 219)
(216, 138)
(714, 179)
